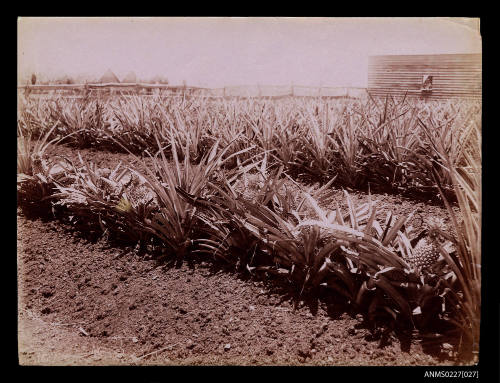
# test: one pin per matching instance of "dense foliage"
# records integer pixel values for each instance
(203, 154)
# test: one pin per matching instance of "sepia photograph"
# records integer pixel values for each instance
(249, 191)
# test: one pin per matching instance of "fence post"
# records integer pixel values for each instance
(86, 91)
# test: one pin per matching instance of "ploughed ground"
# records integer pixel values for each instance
(83, 301)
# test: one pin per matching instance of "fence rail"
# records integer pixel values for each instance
(80, 90)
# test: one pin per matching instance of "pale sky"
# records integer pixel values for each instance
(214, 52)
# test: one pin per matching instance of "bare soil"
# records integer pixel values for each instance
(83, 302)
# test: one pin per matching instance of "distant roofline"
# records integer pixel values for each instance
(430, 54)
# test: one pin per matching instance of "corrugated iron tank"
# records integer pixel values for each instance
(441, 76)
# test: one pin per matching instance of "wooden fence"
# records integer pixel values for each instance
(90, 90)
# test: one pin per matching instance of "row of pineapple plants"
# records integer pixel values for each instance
(387, 145)
(386, 270)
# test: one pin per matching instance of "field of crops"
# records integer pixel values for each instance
(250, 183)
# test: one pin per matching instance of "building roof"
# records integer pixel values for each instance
(109, 77)
(130, 78)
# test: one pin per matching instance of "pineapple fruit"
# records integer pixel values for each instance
(426, 251)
